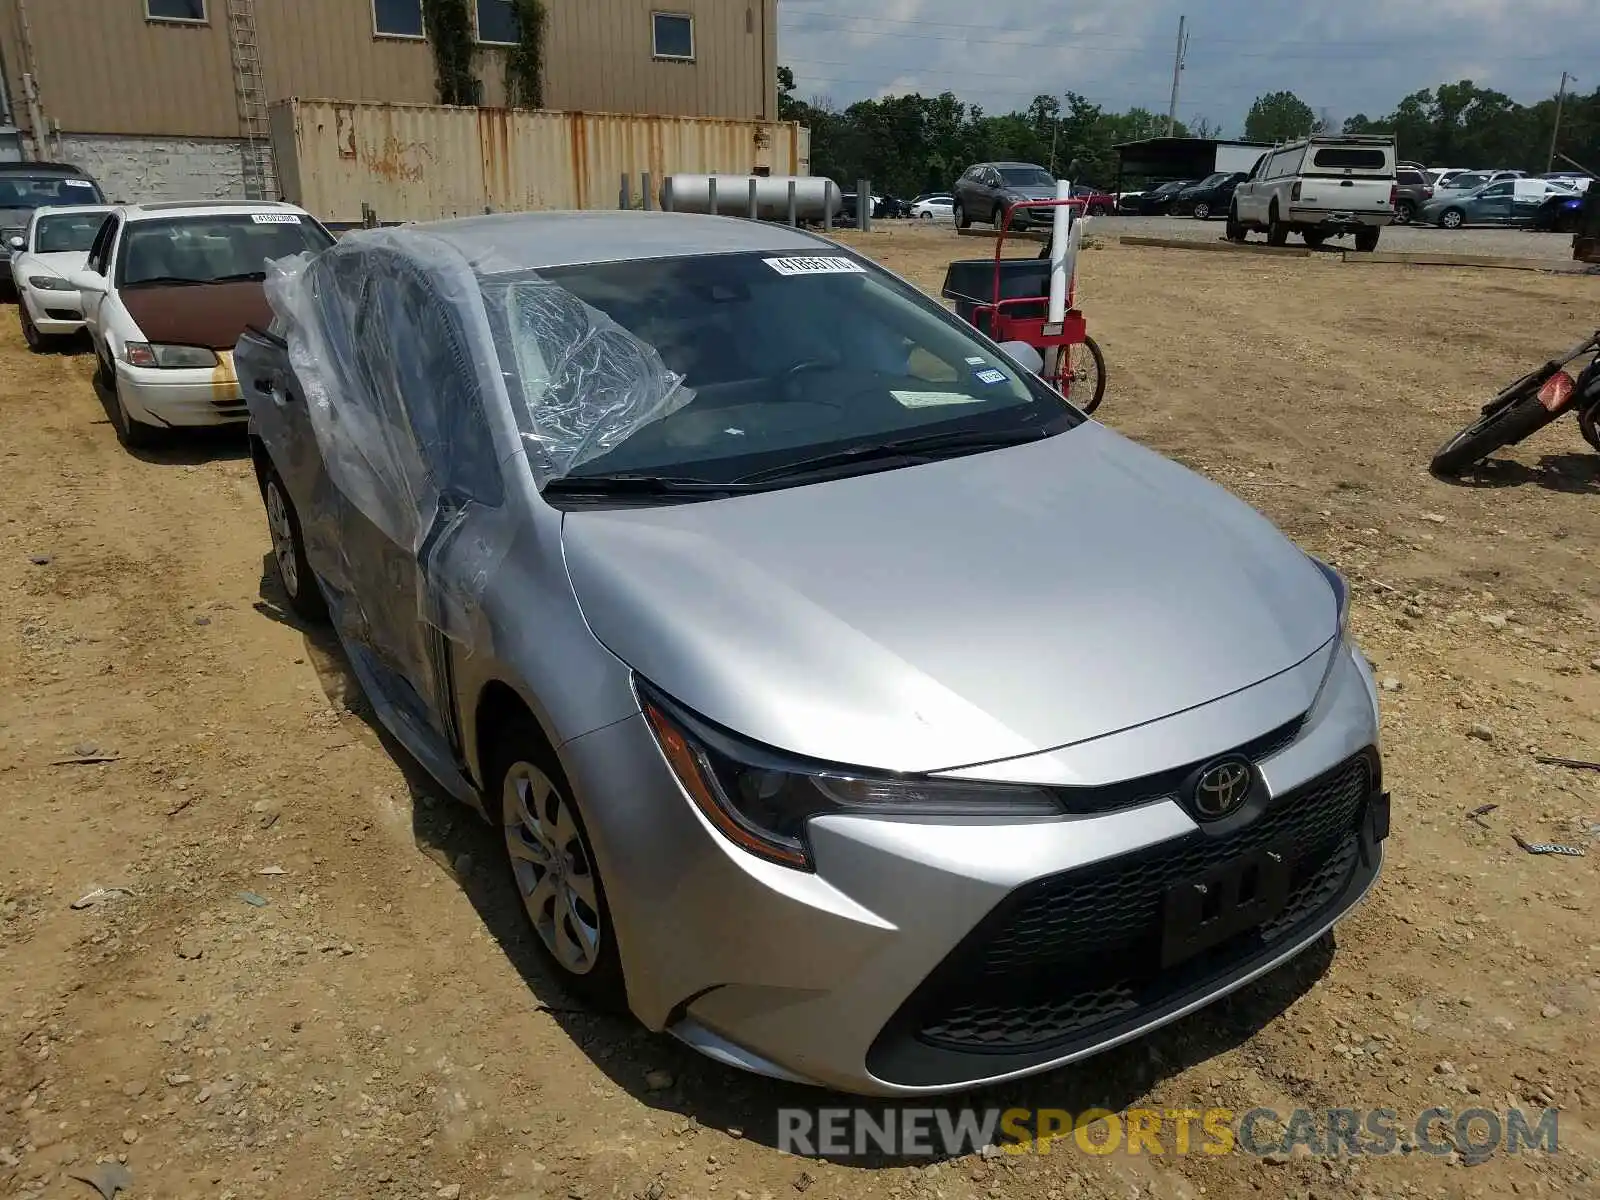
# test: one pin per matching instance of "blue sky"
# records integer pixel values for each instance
(1345, 56)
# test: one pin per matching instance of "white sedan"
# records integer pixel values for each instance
(934, 208)
(167, 290)
(43, 259)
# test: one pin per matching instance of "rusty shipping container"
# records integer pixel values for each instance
(418, 162)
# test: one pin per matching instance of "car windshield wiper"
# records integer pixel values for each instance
(241, 277)
(164, 281)
(639, 484)
(925, 448)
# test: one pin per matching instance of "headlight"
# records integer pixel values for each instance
(761, 799)
(1341, 593)
(143, 354)
(50, 283)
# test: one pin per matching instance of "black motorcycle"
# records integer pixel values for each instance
(1527, 406)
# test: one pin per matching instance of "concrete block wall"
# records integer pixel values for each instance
(147, 170)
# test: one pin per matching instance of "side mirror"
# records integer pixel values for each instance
(1024, 355)
(87, 281)
(16, 243)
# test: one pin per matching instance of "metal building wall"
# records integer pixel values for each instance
(423, 162)
(104, 69)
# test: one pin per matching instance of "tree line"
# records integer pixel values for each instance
(914, 143)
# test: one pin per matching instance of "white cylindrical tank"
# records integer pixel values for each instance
(812, 196)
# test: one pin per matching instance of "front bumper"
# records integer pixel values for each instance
(55, 314)
(188, 397)
(927, 957)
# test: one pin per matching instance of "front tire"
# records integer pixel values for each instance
(295, 576)
(1504, 427)
(30, 332)
(133, 434)
(1235, 231)
(962, 220)
(1451, 218)
(1202, 211)
(553, 866)
(927, 216)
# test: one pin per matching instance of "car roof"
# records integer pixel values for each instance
(56, 210)
(214, 208)
(1033, 166)
(43, 168)
(510, 242)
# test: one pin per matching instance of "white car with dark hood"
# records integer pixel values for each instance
(43, 259)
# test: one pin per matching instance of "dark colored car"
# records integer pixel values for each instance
(1558, 214)
(1411, 192)
(25, 186)
(986, 190)
(1210, 196)
(1155, 203)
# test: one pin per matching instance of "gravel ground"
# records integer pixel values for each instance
(1510, 243)
(248, 953)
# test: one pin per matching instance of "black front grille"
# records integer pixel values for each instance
(1164, 784)
(63, 314)
(1113, 906)
(1065, 959)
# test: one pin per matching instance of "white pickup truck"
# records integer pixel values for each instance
(1325, 186)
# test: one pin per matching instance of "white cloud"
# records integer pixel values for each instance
(1341, 55)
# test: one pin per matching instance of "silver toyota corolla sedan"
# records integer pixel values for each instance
(854, 709)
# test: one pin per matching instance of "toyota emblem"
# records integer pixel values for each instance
(1221, 789)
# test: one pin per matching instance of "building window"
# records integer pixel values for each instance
(175, 10)
(397, 18)
(673, 35)
(497, 23)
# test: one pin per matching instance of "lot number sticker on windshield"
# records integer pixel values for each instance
(78, 183)
(275, 218)
(991, 376)
(815, 266)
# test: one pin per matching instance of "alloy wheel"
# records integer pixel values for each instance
(283, 547)
(553, 867)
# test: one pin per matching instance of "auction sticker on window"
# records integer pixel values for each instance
(78, 183)
(815, 266)
(990, 376)
(275, 218)
(933, 399)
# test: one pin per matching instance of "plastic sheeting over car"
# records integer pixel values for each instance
(412, 349)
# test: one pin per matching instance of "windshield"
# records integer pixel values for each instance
(66, 233)
(1027, 177)
(783, 360)
(1213, 180)
(42, 191)
(208, 249)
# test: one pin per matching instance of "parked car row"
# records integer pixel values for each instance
(163, 292)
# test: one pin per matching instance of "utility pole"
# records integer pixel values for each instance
(1556, 132)
(1177, 70)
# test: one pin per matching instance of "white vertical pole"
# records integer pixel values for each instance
(1058, 254)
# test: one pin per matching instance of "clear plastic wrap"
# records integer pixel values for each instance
(585, 384)
(434, 368)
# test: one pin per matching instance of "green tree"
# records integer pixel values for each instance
(1278, 117)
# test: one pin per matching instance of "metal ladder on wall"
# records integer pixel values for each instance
(255, 138)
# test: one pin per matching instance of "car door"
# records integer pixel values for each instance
(1492, 206)
(102, 253)
(415, 382)
(1527, 195)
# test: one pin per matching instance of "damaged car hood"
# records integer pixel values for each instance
(955, 613)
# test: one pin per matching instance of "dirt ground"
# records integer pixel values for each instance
(316, 982)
